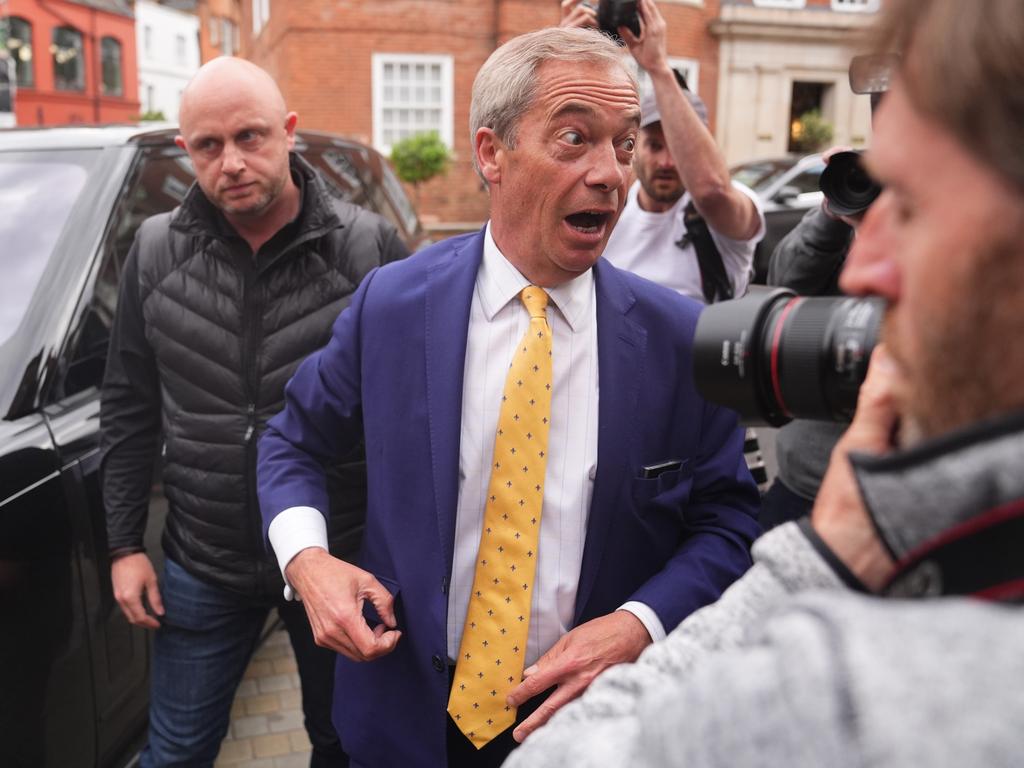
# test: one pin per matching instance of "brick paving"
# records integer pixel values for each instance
(266, 718)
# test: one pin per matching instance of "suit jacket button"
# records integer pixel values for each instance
(438, 663)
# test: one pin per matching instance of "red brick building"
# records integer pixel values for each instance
(218, 28)
(74, 61)
(379, 70)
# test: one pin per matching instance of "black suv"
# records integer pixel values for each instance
(73, 672)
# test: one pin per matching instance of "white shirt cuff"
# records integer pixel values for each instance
(647, 617)
(293, 530)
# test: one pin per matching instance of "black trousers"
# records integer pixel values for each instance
(462, 753)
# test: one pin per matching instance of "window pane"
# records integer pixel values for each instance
(808, 181)
(412, 99)
(66, 50)
(17, 41)
(111, 66)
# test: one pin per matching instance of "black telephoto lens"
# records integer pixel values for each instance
(847, 185)
(773, 356)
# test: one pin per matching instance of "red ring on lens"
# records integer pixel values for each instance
(776, 345)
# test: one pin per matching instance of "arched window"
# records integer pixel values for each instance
(68, 63)
(16, 40)
(110, 66)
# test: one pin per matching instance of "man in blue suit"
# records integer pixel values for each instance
(647, 507)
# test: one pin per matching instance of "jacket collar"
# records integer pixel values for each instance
(198, 216)
(916, 494)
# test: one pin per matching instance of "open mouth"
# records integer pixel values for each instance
(588, 222)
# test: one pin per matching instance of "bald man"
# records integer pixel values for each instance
(220, 300)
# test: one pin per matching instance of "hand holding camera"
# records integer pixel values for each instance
(607, 15)
(578, 13)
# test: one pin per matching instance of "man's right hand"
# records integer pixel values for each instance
(135, 584)
(333, 593)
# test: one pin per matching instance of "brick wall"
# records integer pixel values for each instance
(320, 52)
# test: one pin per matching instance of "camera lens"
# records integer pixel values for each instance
(848, 187)
(774, 356)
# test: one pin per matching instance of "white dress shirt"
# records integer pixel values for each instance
(644, 242)
(496, 323)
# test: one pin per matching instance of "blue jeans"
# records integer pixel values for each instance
(200, 653)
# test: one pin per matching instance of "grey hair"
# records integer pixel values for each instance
(506, 85)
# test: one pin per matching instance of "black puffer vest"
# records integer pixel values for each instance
(228, 331)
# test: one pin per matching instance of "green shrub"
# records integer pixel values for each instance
(812, 132)
(420, 158)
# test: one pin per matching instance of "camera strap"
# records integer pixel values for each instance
(715, 283)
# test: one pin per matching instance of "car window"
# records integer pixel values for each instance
(808, 180)
(350, 175)
(38, 191)
(399, 201)
(761, 174)
(157, 183)
(344, 171)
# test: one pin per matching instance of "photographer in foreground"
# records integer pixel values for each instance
(827, 652)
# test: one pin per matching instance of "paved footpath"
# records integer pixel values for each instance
(266, 719)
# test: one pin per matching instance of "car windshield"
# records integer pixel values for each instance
(761, 174)
(38, 190)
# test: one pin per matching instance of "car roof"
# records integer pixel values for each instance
(84, 137)
(98, 137)
(781, 160)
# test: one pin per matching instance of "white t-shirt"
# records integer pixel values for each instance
(645, 243)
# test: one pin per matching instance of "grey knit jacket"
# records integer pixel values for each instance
(791, 667)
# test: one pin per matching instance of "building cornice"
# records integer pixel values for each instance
(745, 22)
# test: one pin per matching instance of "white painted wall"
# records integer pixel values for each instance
(762, 53)
(167, 41)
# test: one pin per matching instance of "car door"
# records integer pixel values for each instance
(47, 703)
(156, 181)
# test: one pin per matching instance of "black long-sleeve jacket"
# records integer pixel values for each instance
(205, 337)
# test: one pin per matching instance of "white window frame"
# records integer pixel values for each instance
(855, 6)
(689, 67)
(260, 15)
(380, 60)
(780, 3)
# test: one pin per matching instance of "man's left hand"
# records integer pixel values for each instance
(574, 661)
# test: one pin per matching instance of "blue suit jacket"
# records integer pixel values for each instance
(393, 371)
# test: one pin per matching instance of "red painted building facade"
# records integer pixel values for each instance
(74, 62)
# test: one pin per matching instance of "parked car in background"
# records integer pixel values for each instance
(73, 672)
(788, 187)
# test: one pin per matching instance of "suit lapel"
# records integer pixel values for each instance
(449, 294)
(621, 347)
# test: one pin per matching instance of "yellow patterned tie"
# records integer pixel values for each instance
(493, 644)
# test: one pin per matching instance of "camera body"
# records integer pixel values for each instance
(773, 356)
(847, 185)
(612, 14)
